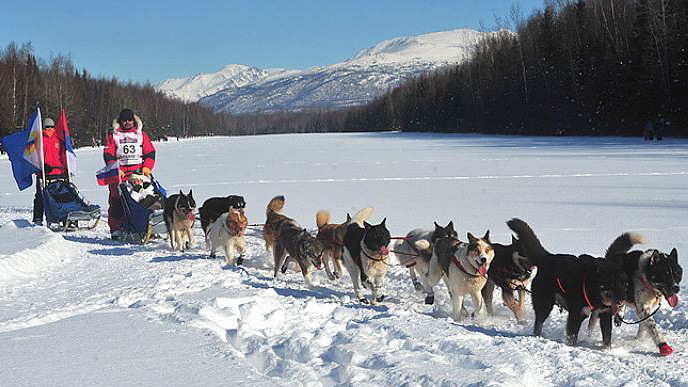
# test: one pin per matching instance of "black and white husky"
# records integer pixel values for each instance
(179, 215)
(366, 257)
(653, 276)
(417, 259)
(511, 271)
(463, 266)
(290, 238)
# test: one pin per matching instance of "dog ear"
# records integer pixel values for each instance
(673, 254)
(190, 193)
(348, 218)
(513, 240)
(181, 193)
(383, 222)
(450, 225)
(437, 226)
(655, 257)
(366, 224)
(471, 238)
(487, 236)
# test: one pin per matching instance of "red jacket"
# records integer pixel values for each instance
(147, 152)
(54, 154)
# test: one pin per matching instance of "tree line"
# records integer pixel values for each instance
(585, 67)
(91, 103)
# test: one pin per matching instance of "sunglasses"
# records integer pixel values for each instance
(49, 127)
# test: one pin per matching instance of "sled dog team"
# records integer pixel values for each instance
(586, 286)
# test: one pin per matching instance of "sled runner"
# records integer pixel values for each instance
(141, 220)
(65, 206)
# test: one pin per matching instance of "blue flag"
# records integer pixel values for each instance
(22, 169)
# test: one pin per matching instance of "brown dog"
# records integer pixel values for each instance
(228, 232)
(332, 237)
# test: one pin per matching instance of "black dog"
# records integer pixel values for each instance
(653, 275)
(214, 207)
(366, 255)
(582, 285)
(510, 270)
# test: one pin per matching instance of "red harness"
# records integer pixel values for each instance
(585, 293)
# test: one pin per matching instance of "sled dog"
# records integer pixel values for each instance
(652, 275)
(179, 215)
(581, 284)
(214, 207)
(366, 258)
(463, 266)
(229, 233)
(510, 270)
(418, 260)
(332, 237)
(290, 238)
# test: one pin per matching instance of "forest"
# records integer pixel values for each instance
(585, 67)
(576, 67)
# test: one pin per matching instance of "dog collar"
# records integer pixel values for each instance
(363, 250)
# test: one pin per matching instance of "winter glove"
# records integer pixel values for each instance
(146, 171)
(47, 168)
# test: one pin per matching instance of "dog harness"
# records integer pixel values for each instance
(585, 293)
(457, 263)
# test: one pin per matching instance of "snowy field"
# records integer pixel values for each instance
(77, 309)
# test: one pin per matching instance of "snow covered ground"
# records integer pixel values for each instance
(79, 309)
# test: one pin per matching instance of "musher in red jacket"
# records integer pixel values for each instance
(55, 166)
(129, 146)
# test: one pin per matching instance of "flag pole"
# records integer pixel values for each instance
(40, 148)
(69, 173)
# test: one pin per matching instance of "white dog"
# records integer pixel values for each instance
(463, 266)
(228, 232)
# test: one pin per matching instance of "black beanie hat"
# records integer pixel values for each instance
(126, 114)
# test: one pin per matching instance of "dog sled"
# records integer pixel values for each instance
(142, 221)
(65, 206)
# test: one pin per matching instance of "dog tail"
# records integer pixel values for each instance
(276, 205)
(322, 217)
(529, 240)
(423, 244)
(362, 216)
(624, 243)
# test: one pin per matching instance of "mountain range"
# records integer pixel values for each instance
(355, 81)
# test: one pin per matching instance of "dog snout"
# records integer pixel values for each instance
(675, 289)
(483, 260)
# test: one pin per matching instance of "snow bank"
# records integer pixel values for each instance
(27, 250)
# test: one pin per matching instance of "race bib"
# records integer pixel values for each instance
(129, 147)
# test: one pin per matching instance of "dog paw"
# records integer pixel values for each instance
(187, 245)
(418, 286)
(429, 300)
(380, 298)
(213, 255)
(336, 275)
(331, 277)
(364, 300)
(284, 268)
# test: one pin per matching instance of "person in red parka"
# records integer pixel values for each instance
(131, 148)
(54, 166)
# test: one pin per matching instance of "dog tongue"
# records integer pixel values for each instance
(384, 251)
(191, 216)
(482, 270)
(673, 300)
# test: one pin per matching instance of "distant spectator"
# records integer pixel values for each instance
(649, 131)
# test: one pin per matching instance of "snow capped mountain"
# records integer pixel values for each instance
(356, 81)
(201, 85)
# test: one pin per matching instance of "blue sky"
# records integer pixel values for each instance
(152, 40)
